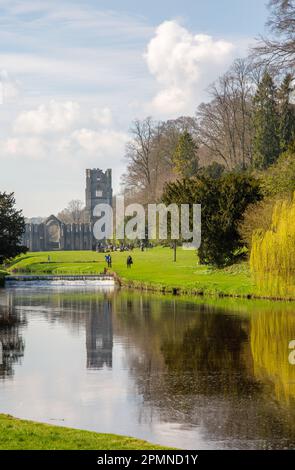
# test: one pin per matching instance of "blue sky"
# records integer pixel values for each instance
(74, 74)
(233, 17)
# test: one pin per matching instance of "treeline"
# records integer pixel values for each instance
(236, 156)
(248, 123)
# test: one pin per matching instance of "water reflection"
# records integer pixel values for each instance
(99, 336)
(186, 374)
(271, 331)
(11, 342)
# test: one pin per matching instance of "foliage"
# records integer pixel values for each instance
(286, 112)
(273, 251)
(266, 124)
(185, 157)
(248, 122)
(12, 226)
(223, 202)
(256, 216)
(214, 170)
(279, 179)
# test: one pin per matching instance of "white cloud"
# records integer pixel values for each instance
(9, 89)
(83, 147)
(54, 117)
(59, 133)
(24, 147)
(183, 64)
(105, 144)
(103, 117)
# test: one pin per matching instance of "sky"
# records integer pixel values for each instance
(75, 74)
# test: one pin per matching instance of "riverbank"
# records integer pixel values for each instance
(18, 434)
(153, 269)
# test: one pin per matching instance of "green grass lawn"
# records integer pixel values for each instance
(153, 268)
(25, 435)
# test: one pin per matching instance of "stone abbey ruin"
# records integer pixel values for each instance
(53, 234)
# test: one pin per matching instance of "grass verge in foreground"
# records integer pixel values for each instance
(17, 434)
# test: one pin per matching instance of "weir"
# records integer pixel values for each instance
(61, 277)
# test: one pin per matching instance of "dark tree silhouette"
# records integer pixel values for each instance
(12, 226)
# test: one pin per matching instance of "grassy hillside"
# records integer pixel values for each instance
(152, 268)
(24, 435)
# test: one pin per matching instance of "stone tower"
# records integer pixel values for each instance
(98, 190)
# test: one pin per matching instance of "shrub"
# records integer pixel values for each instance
(279, 179)
(257, 216)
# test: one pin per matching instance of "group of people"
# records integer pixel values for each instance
(108, 259)
(101, 248)
(106, 248)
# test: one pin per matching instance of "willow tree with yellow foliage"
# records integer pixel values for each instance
(273, 253)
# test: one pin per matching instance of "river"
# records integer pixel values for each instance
(188, 373)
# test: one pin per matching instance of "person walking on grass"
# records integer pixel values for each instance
(108, 260)
(129, 261)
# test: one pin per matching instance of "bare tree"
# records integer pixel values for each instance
(279, 48)
(224, 124)
(149, 156)
(74, 213)
(139, 155)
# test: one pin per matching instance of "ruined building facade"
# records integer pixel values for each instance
(53, 234)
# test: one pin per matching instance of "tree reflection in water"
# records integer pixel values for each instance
(11, 342)
(200, 365)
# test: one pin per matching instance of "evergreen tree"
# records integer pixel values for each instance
(12, 226)
(266, 124)
(287, 113)
(185, 158)
(223, 203)
(215, 170)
